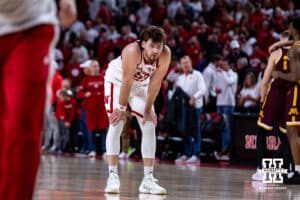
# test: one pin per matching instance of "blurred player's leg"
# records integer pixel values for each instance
(293, 120)
(294, 142)
(24, 76)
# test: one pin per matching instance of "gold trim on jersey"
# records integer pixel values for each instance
(285, 63)
(283, 130)
(261, 112)
(295, 95)
(264, 126)
(294, 110)
(293, 123)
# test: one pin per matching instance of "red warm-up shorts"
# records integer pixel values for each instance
(24, 75)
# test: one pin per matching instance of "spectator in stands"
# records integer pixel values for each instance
(278, 20)
(213, 45)
(264, 35)
(247, 44)
(127, 36)
(242, 68)
(79, 52)
(78, 29)
(93, 9)
(256, 57)
(91, 33)
(110, 56)
(173, 7)
(209, 74)
(100, 25)
(197, 7)
(105, 13)
(174, 72)
(65, 114)
(59, 58)
(188, 9)
(238, 11)
(193, 50)
(143, 14)
(91, 91)
(235, 52)
(191, 82)
(113, 33)
(257, 16)
(177, 50)
(225, 88)
(104, 46)
(86, 135)
(249, 96)
(51, 131)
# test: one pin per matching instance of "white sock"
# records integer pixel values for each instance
(148, 171)
(297, 168)
(113, 169)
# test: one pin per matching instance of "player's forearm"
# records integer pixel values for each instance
(124, 92)
(280, 43)
(287, 76)
(263, 91)
(153, 91)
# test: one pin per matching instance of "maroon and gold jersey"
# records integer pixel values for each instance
(272, 112)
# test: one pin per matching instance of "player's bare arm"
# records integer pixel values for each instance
(131, 56)
(294, 74)
(155, 83)
(67, 12)
(281, 43)
(273, 59)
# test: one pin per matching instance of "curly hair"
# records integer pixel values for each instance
(156, 34)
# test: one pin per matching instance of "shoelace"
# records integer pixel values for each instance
(114, 179)
(152, 181)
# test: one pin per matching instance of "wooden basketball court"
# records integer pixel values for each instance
(67, 178)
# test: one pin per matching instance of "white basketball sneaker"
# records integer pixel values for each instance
(123, 156)
(181, 159)
(113, 184)
(92, 154)
(258, 176)
(149, 186)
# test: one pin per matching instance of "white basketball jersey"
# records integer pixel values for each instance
(142, 74)
(18, 15)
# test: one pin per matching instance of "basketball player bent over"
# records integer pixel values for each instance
(134, 78)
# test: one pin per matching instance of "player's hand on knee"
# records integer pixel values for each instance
(150, 116)
(116, 116)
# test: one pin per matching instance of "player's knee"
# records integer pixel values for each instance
(116, 129)
(149, 128)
